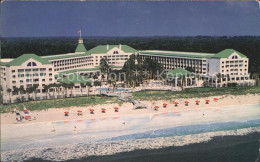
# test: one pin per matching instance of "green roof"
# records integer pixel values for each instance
(21, 59)
(227, 52)
(177, 53)
(114, 66)
(77, 70)
(178, 72)
(81, 48)
(63, 56)
(95, 50)
(74, 78)
(104, 49)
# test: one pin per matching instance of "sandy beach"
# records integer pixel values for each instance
(57, 114)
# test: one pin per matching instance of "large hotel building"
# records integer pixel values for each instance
(30, 69)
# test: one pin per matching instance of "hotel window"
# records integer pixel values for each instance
(20, 70)
(234, 57)
(13, 82)
(13, 71)
(21, 81)
(27, 70)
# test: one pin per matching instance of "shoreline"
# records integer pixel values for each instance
(114, 148)
(125, 109)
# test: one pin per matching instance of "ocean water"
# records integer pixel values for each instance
(129, 136)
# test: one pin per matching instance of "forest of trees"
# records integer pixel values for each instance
(248, 45)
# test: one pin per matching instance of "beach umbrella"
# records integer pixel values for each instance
(103, 110)
(186, 103)
(215, 99)
(92, 111)
(176, 103)
(116, 109)
(197, 102)
(79, 112)
(25, 111)
(27, 117)
(207, 101)
(156, 107)
(165, 104)
(66, 113)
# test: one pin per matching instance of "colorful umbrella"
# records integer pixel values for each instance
(176, 103)
(79, 111)
(207, 101)
(92, 111)
(197, 102)
(116, 109)
(216, 99)
(165, 104)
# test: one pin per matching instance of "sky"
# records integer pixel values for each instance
(172, 18)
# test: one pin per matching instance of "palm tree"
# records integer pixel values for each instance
(218, 78)
(88, 84)
(15, 91)
(71, 85)
(35, 86)
(256, 77)
(58, 89)
(64, 86)
(29, 90)
(9, 91)
(21, 90)
(46, 88)
(104, 67)
(81, 87)
(1, 89)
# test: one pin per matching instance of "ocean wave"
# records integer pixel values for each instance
(82, 150)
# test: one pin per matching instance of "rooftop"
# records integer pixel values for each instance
(227, 52)
(74, 78)
(178, 72)
(81, 48)
(177, 53)
(21, 59)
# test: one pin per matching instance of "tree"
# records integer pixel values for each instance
(104, 67)
(9, 91)
(1, 89)
(88, 84)
(46, 89)
(29, 90)
(70, 86)
(81, 87)
(15, 91)
(35, 86)
(64, 86)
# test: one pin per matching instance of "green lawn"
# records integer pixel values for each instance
(59, 103)
(144, 95)
(195, 92)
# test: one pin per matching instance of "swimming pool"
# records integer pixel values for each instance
(111, 89)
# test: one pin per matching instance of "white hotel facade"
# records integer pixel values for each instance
(30, 69)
